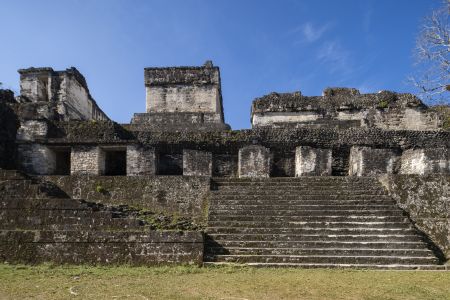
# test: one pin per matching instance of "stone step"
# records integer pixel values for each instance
(298, 197)
(287, 185)
(98, 236)
(330, 231)
(306, 212)
(387, 237)
(339, 266)
(297, 215)
(306, 192)
(251, 222)
(316, 244)
(52, 213)
(11, 175)
(42, 204)
(328, 259)
(340, 179)
(262, 203)
(66, 223)
(319, 251)
(302, 220)
(296, 186)
(297, 207)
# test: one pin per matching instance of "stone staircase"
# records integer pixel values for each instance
(40, 223)
(312, 222)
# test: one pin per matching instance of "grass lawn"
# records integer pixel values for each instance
(188, 282)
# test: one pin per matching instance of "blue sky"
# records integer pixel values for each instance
(261, 46)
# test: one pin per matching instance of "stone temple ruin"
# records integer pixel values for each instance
(339, 180)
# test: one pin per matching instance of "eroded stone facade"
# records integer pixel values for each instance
(168, 158)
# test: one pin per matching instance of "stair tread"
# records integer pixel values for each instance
(338, 265)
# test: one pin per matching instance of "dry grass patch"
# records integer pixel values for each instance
(188, 282)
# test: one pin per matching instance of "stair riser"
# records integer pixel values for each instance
(295, 215)
(32, 223)
(312, 192)
(43, 214)
(342, 238)
(42, 204)
(335, 260)
(341, 266)
(361, 230)
(293, 210)
(273, 197)
(316, 244)
(277, 187)
(294, 204)
(304, 179)
(295, 207)
(298, 223)
(326, 252)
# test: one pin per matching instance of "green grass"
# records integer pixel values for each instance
(188, 282)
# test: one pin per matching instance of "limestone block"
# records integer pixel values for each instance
(141, 160)
(29, 130)
(425, 161)
(197, 163)
(88, 160)
(254, 161)
(36, 159)
(366, 161)
(311, 161)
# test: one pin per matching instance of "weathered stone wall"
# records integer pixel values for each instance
(345, 108)
(182, 98)
(203, 99)
(183, 195)
(225, 145)
(365, 161)
(184, 89)
(197, 163)
(288, 138)
(66, 89)
(36, 159)
(31, 130)
(427, 200)
(8, 129)
(425, 161)
(141, 160)
(88, 160)
(254, 161)
(178, 121)
(101, 248)
(40, 223)
(311, 161)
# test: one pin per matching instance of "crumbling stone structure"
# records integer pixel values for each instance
(310, 171)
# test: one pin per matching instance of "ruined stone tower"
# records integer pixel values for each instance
(187, 98)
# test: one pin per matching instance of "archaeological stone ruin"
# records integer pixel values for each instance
(339, 180)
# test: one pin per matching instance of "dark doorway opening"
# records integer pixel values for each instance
(62, 161)
(170, 164)
(341, 160)
(115, 162)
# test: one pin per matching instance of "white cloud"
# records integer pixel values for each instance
(336, 57)
(309, 32)
(367, 19)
